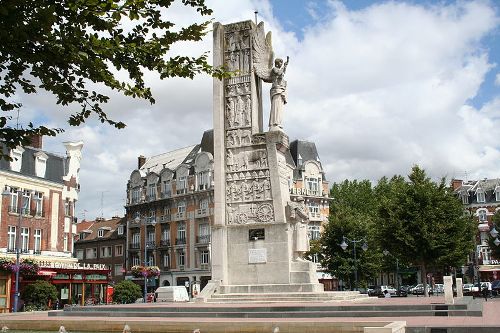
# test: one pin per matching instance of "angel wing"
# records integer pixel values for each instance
(262, 53)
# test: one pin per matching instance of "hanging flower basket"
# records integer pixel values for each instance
(27, 267)
(141, 271)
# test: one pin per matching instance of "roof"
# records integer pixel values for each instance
(109, 227)
(55, 167)
(171, 160)
(304, 151)
(474, 185)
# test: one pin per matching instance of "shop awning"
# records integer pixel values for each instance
(46, 273)
(489, 268)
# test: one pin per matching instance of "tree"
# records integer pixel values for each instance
(73, 48)
(126, 292)
(38, 294)
(352, 214)
(423, 222)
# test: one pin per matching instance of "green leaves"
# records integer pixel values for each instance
(64, 46)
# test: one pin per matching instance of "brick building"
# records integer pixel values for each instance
(37, 208)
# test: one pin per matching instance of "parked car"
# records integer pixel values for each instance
(419, 289)
(389, 289)
(469, 289)
(438, 288)
(376, 291)
(495, 288)
(402, 292)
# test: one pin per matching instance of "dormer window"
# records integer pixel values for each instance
(82, 235)
(202, 180)
(40, 164)
(100, 233)
(17, 156)
(151, 192)
(482, 215)
(465, 198)
(299, 160)
(120, 230)
(480, 196)
(182, 185)
(497, 193)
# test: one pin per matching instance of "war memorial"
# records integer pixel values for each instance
(260, 283)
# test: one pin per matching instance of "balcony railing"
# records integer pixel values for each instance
(150, 244)
(37, 252)
(180, 216)
(165, 218)
(150, 197)
(165, 242)
(180, 241)
(201, 212)
(203, 239)
(135, 246)
(166, 194)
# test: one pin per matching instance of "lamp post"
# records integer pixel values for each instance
(7, 193)
(386, 253)
(364, 247)
(152, 221)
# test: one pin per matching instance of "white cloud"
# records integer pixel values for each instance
(378, 90)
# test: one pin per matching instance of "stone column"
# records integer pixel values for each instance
(448, 289)
(460, 292)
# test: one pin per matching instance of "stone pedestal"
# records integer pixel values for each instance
(460, 291)
(448, 289)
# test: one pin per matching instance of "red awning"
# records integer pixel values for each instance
(46, 273)
(489, 268)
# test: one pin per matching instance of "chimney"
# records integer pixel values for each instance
(36, 141)
(456, 183)
(140, 161)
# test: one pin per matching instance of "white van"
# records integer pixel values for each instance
(172, 294)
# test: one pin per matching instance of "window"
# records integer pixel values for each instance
(166, 189)
(166, 260)
(203, 181)
(182, 185)
(204, 204)
(40, 164)
(79, 254)
(118, 250)
(13, 205)
(82, 235)
(38, 241)
(313, 209)
(482, 214)
(497, 193)
(315, 258)
(152, 192)
(65, 243)
(67, 208)
(105, 251)
(152, 215)
(118, 269)
(181, 233)
(181, 260)
(165, 234)
(25, 236)
(100, 233)
(16, 155)
(136, 195)
(465, 198)
(151, 236)
(120, 230)
(26, 202)
(91, 253)
(150, 260)
(38, 200)
(480, 196)
(136, 261)
(313, 186)
(204, 257)
(166, 212)
(136, 238)
(181, 208)
(11, 245)
(203, 233)
(314, 232)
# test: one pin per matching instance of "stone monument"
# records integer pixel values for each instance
(258, 234)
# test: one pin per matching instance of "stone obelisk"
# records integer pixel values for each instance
(253, 234)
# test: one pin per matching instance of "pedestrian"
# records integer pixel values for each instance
(484, 290)
(387, 294)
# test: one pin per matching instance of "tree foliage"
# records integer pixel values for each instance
(352, 215)
(126, 292)
(39, 293)
(73, 48)
(418, 221)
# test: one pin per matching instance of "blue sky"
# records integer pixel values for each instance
(379, 86)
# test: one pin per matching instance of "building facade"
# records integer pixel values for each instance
(40, 190)
(481, 199)
(170, 208)
(103, 242)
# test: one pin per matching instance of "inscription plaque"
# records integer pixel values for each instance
(257, 256)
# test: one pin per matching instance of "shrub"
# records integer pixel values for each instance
(37, 294)
(126, 292)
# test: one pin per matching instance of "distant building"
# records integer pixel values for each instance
(103, 242)
(481, 198)
(175, 190)
(40, 191)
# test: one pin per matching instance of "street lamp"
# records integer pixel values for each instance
(386, 253)
(152, 221)
(494, 234)
(7, 193)
(364, 247)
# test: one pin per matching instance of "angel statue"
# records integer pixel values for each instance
(263, 65)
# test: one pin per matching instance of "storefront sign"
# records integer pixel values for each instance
(71, 265)
(96, 277)
(303, 191)
(61, 276)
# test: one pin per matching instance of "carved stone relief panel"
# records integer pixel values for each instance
(248, 190)
(250, 213)
(237, 50)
